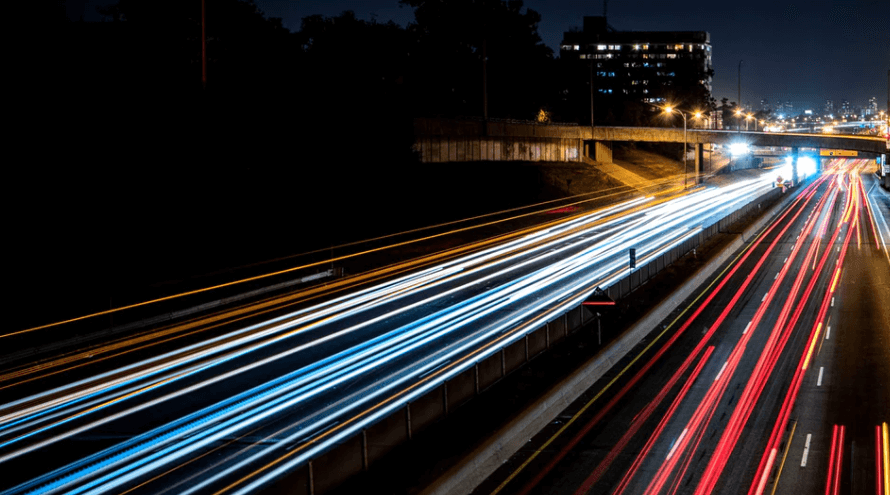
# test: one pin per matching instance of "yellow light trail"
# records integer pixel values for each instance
(806, 361)
(335, 259)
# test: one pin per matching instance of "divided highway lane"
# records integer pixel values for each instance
(704, 407)
(849, 389)
(243, 408)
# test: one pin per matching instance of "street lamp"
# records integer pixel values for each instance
(700, 115)
(670, 110)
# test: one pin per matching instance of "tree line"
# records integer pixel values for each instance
(459, 58)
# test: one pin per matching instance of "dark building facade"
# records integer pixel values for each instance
(646, 66)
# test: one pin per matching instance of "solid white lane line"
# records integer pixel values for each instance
(806, 450)
(819, 381)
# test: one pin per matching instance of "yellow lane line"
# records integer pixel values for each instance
(784, 456)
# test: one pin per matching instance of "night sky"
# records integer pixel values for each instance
(802, 51)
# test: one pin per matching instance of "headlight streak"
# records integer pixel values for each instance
(344, 301)
(545, 278)
(546, 255)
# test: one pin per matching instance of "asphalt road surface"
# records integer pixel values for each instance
(775, 378)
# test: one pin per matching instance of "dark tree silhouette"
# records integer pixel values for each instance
(450, 37)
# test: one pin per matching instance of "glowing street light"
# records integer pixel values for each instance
(669, 110)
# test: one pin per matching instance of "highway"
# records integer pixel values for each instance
(775, 378)
(233, 401)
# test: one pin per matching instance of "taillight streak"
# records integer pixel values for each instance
(794, 387)
(643, 416)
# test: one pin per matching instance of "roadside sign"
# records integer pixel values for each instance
(633, 257)
(838, 153)
(598, 298)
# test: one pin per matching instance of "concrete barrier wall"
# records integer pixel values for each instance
(362, 452)
(438, 149)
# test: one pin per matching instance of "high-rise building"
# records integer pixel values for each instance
(846, 110)
(764, 105)
(829, 107)
(642, 65)
(872, 107)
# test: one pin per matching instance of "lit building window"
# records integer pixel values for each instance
(678, 47)
(645, 47)
(576, 47)
(601, 47)
(636, 47)
(671, 55)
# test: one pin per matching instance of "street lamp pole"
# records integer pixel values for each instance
(670, 110)
(685, 141)
(740, 93)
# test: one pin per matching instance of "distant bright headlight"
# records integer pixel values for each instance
(806, 166)
(737, 149)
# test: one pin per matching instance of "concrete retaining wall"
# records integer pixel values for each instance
(438, 149)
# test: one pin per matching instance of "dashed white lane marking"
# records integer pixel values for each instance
(721, 370)
(746, 328)
(832, 302)
(786, 261)
(819, 381)
(806, 450)
(777, 276)
(827, 333)
(764, 297)
(677, 442)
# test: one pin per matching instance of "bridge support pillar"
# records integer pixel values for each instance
(699, 160)
(794, 153)
(602, 151)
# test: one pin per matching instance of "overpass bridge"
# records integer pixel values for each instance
(452, 140)
(603, 137)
